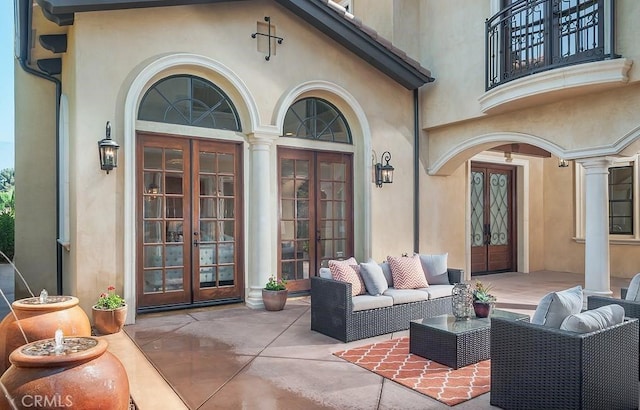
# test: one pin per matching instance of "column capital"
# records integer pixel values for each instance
(263, 137)
(596, 163)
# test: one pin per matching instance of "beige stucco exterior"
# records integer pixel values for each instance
(113, 57)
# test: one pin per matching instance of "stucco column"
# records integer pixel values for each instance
(596, 258)
(260, 218)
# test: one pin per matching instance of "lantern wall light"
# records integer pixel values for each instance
(384, 173)
(108, 151)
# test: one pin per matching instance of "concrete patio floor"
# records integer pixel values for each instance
(232, 357)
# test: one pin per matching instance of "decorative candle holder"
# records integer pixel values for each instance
(462, 301)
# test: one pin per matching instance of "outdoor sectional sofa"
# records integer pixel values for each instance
(336, 313)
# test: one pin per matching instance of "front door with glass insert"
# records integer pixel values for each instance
(316, 213)
(189, 221)
(492, 218)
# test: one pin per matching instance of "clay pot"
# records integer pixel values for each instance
(274, 299)
(108, 322)
(40, 321)
(84, 376)
(482, 309)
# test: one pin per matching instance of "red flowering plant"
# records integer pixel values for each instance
(109, 300)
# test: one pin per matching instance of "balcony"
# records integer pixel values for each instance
(531, 36)
(542, 49)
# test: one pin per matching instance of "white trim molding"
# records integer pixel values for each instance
(554, 84)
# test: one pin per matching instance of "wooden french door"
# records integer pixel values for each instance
(189, 221)
(316, 213)
(492, 218)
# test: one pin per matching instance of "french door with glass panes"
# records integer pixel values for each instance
(189, 221)
(493, 247)
(316, 213)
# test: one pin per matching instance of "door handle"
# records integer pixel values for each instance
(487, 234)
(195, 239)
(318, 238)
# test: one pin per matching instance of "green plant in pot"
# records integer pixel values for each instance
(483, 300)
(275, 293)
(109, 313)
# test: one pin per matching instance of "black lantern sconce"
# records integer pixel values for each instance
(384, 173)
(108, 151)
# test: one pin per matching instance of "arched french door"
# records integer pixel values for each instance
(189, 199)
(315, 194)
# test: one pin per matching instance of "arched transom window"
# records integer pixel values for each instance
(189, 100)
(316, 119)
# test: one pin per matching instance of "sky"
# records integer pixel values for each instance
(7, 57)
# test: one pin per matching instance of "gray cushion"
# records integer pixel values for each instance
(596, 319)
(406, 295)
(633, 293)
(366, 302)
(386, 269)
(325, 273)
(556, 306)
(439, 291)
(373, 278)
(435, 268)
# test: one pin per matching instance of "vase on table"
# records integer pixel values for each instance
(482, 309)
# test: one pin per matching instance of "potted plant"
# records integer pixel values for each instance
(483, 301)
(110, 312)
(274, 294)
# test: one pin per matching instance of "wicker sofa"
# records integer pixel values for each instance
(537, 367)
(332, 310)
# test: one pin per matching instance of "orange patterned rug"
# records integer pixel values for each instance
(391, 359)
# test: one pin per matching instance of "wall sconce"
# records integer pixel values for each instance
(108, 151)
(384, 173)
(507, 157)
(563, 163)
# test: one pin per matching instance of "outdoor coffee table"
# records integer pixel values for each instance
(455, 343)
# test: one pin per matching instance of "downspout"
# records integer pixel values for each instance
(416, 173)
(25, 35)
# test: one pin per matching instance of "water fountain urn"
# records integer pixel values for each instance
(39, 318)
(65, 372)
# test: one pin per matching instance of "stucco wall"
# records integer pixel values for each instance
(102, 74)
(35, 240)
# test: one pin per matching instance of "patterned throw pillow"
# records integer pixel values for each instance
(407, 272)
(343, 271)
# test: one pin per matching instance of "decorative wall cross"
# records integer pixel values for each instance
(268, 36)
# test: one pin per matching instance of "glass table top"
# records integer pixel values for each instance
(450, 324)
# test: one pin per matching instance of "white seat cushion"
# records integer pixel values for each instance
(366, 302)
(439, 291)
(406, 295)
(596, 319)
(634, 289)
(554, 307)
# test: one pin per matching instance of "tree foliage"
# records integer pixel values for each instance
(7, 179)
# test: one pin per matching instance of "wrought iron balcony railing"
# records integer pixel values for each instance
(530, 36)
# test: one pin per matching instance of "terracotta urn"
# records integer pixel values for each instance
(109, 321)
(39, 318)
(274, 299)
(79, 373)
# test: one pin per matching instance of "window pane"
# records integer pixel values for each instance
(621, 200)
(314, 118)
(207, 162)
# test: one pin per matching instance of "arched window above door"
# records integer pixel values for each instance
(189, 100)
(316, 119)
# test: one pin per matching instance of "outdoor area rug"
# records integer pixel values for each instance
(391, 359)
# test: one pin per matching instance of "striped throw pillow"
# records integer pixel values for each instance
(407, 272)
(345, 272)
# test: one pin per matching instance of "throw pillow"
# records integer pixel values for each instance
(556, 306)
(634, 289)
(596, 319)
(407, 272)
(342, 271)
(435, 268)
(386, 270)
(325, 273)
(373, 278)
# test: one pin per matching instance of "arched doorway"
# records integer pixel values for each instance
(189, 202)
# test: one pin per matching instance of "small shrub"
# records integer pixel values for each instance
(7, 234)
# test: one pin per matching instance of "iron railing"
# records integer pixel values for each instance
(530, 36)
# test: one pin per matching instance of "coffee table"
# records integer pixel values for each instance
(455, 343)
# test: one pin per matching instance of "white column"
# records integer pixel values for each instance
(596, 258)
(260, 219)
